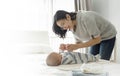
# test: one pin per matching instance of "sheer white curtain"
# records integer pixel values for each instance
(83, 5)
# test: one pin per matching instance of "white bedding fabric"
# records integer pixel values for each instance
(34, 65)
(99, 67)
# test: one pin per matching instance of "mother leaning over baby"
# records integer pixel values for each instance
(89, 30)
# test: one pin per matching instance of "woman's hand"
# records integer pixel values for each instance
(71, 47)
(62, 47)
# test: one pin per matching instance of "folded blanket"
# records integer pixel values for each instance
(92, 68)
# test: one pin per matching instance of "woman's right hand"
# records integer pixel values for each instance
(62, 47)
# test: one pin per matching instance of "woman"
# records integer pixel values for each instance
(89, 29)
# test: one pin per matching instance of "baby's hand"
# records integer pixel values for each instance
(62, 47)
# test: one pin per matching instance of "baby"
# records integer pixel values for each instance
(55, 59)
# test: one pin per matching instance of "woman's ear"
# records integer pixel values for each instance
(68, 17)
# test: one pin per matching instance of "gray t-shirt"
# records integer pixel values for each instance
(91, 25)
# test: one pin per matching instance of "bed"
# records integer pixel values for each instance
(34, 65)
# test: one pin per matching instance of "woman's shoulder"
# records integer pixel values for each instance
(83, 15)
(88, 15)
(83, 12)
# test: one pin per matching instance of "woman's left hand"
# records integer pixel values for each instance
(71, 47)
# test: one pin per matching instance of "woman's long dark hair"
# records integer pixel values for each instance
(59, 15)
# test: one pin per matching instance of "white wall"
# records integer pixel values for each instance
(110, 10)
(102, 7)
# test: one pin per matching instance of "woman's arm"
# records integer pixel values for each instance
(76, 46)
(91, 42)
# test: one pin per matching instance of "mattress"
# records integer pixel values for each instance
(34, 65)
(108, 67)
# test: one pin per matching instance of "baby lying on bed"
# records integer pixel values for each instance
(55, 59)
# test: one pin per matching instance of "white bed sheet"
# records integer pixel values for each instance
(110, 67)
(34, 65)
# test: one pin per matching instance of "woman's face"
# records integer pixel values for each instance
(65, 23)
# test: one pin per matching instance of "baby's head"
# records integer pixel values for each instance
(54, 59)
